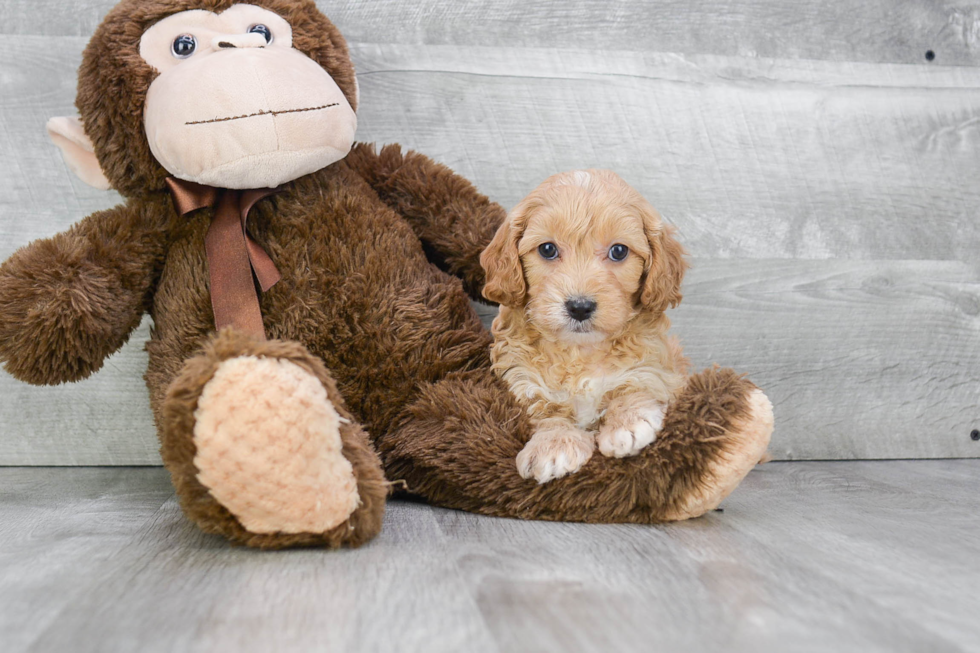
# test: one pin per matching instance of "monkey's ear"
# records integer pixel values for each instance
(77, 150)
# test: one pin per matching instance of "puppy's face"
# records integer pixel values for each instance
(583, 259)
(584, 254)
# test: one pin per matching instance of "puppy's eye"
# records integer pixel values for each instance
(618, 252)
(263, 30)
(183, 46)
(548, 251)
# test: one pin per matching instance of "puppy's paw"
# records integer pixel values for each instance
(626, 436)
(555, 452)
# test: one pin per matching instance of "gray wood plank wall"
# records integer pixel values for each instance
(820, 169)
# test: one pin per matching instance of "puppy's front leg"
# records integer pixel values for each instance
(556, 449)
(631, 423)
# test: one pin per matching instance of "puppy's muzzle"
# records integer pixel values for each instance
(580, 309)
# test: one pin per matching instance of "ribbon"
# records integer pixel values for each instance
(233, 256)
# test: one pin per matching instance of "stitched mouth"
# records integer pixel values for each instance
(261, 113)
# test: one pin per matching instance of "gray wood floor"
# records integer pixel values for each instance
(836, 556)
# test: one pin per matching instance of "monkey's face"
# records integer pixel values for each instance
(235, 105)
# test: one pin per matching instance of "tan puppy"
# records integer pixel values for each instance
(583, 269)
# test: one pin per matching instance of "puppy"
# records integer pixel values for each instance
(583, 269)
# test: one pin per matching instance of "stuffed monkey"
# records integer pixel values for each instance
(312, 331)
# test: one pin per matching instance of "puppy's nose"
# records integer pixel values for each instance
(580, 308)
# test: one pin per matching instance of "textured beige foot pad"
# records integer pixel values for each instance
(725, 474)
(269, 448)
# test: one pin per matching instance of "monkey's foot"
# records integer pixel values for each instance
(262, 451)
(269, 448)
(747, 443)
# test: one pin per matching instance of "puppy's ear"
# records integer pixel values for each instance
(665, 270)
(502, 261)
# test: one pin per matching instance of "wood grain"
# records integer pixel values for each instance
(39, 195)
(765, 574)
(913, 549)
(59, 526)
(749, 158)
(175, 588)
(899, 31)
(858, 556)
(876, 359)
(104, 420)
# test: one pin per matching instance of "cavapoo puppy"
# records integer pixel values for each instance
(583, 269)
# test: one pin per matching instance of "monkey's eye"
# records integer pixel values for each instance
(263, 30)
(548, 251)
(618, 252)
(184, 46)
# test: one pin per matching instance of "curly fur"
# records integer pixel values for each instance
(558, 367)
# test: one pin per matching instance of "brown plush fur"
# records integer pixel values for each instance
(457, 446)
(362, 304)
(452, 244)
(546, 357)
(68, 302)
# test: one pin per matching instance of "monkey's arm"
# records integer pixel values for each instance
(69, 301)
(454, 221)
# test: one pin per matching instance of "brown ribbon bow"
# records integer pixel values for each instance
(232, 254)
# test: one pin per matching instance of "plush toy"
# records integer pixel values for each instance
(312, 332)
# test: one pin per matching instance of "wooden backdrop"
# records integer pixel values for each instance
(821, 160)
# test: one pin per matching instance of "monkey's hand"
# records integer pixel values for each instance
(69, 301)
(452, 219)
